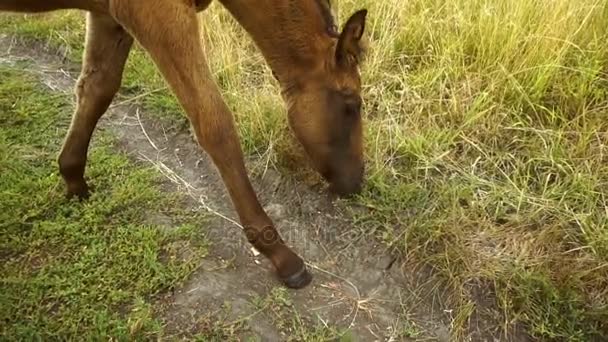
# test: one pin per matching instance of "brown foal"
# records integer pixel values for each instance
(316, 66)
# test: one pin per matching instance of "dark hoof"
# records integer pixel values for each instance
(298, 280)
(80, 191)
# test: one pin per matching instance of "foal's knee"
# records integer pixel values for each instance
(214, 124)
(96, 88)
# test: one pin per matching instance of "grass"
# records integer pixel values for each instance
(80, 270)
(278, 305)
(275, 308)
(101, 268)
(486, 135)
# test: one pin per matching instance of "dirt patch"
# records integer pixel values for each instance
(358, 284)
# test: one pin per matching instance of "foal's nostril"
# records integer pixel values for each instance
(347, 186)
(346, 179)
(345, 190)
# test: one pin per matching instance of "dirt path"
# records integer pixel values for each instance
(357, 284)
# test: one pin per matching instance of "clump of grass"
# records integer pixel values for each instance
(80, 270)
(488, 153)
(486, 139)
(278, 307)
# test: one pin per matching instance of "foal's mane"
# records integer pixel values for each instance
(328, 17)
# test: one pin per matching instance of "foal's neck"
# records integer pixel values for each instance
(292, 35)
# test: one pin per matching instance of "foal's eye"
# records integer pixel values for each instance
(352, 107)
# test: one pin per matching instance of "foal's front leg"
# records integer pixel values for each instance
(169, 31)
(106, 51)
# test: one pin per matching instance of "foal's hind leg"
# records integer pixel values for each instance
(106, 51)
(169, 31)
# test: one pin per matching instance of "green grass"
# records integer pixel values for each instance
(80, 270)
(277, 308)
(486, 135)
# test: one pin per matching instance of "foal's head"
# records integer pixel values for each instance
(325, 108)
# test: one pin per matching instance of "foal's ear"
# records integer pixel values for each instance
(349, 49)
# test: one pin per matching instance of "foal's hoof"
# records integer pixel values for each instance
(80, 191)
(298, 280)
